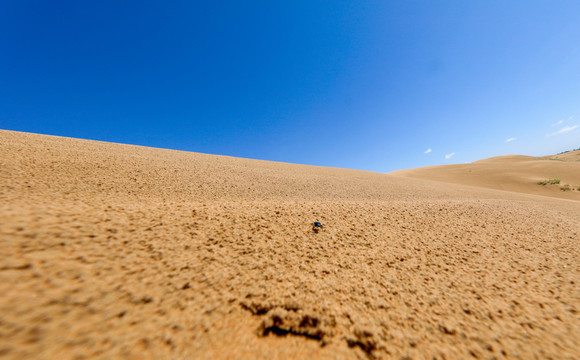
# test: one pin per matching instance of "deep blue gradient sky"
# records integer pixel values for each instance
(367, 85)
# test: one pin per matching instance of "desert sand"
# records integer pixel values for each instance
(118, 251)
(511, 173)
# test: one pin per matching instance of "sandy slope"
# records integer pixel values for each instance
(511, 173)
(117, 251)
(567, 156)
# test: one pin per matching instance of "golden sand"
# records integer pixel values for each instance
(118, 251)
(511, 173)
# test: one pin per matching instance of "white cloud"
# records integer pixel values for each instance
(564, 130)
(511, 139)
(449, 156)
(427, 151)
(562, 121)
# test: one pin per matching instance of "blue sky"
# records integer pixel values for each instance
(368, 85)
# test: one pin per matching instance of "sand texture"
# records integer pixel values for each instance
(116, 251)
(511, 173)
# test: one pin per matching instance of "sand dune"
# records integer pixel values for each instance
(566, 156)
(511, 173)
(118, 251)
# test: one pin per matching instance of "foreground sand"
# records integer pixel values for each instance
(117, 251)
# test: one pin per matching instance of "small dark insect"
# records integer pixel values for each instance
(316, 227)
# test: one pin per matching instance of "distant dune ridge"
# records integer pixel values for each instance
(119, 251)
(511, 172)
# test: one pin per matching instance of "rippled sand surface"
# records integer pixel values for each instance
(118, 251)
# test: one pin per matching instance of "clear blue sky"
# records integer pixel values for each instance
(367, 85)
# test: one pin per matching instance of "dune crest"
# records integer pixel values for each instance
(119, 251)
(517, 173)
(565, 156)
